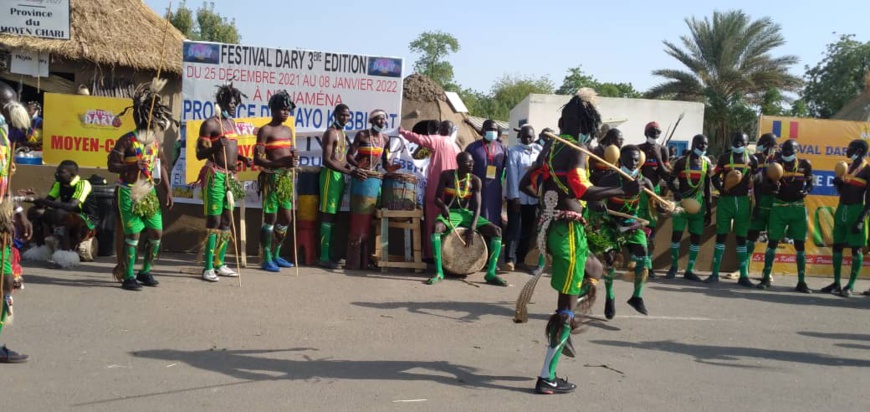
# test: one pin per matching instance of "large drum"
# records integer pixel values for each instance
(307, 193)
(399, 192)
(458, 259)
(364, 195)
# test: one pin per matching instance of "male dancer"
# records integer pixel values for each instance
(733, 206)
(565, 184)
(690, 180)
(598, 170)
(365, 153)
(334, 166)
(763, 190)
(850, 220)
(656, 168)
(218, 143)
(635, 238)
(788, 211)
(137, 158)
(12, 116)
(459, 197)
(276, 156)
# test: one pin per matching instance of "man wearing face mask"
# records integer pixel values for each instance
(631, 233)
(690, 180)
(334, 145)
(850, 219)
(522, 208)
(734, 205)
(788, 214)
(490, 158)
(763, 190)
(656, 168)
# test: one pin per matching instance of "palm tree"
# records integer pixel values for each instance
(729, 67)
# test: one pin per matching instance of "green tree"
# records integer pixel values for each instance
(771, 103)
(209, 25)
(434, 47)
(730, 67)
(799, 109)
(509, 90)
(838, 78)
(577, 79)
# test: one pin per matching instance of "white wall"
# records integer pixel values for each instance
(542, 110)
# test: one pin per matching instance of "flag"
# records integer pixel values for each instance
(792, 129)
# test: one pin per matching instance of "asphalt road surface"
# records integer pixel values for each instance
(366, 341)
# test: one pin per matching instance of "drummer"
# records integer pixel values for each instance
(276, 155)
(458, 196)
(690, 180)
(365, 154)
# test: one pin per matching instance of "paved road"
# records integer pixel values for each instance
(373, 342)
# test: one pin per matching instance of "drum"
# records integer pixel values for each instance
(458, 259)
(399, 192)
(307, 193)
(364, 195)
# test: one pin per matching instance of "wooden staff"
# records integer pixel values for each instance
(295, 209)
(679, 119)
(227, 185)
(627, 216)
(652, 194)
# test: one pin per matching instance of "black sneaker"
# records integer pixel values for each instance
(609, 308)
(832, 288)
(745, 282)
(10, 356)
(867, 292)
(146, 279)
(549, 387)
(651, 274)
(803, 288)
(672, 273)
(846, 292)
(637, 304)
(328, 264)
(764, 284)
(712, 279)
(130, 284)
(690, 276)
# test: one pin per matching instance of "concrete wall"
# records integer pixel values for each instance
(542, 110)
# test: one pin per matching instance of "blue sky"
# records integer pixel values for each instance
(615, 41)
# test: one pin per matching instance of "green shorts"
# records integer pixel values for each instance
(788, 219)
(695, 222)
(133, 223)
(331, 190)
(566, 243)
(462, 218)
(761, 220)
(636, 237)
(214, 194)
(643, 210)
(7, 263)
(272, 201)
(844, 220)
(736, 209)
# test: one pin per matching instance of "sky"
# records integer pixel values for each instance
(614, 41)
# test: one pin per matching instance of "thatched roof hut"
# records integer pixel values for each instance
(109, 43)
(859, 108)
(423, 99)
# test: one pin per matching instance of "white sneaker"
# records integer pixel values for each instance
(209, 275)
(225, 270)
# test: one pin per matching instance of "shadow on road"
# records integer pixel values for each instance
(777, 294)
(730, 355)
(469, 311)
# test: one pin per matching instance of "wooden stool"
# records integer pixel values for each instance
(383, 223)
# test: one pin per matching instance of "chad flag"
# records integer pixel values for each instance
(792, 129)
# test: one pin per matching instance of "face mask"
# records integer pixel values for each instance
(490, 135)
(651, 140)
(337, 125)
(630, 172)
(738, 150)
(788, 158)
(584, 138)
(226, 114)
(377, 128)
(2, 120)
(699, 152)
(854, 157)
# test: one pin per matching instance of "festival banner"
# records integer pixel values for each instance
(83, 128)
(823, 143)
(316, 81)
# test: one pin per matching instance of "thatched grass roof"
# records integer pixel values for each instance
(859, 108)
(124, 33)
(423, 99)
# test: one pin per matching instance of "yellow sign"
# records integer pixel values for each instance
(246, 129)
(83, 128)
(823, 143)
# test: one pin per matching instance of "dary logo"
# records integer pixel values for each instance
(100, 118)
